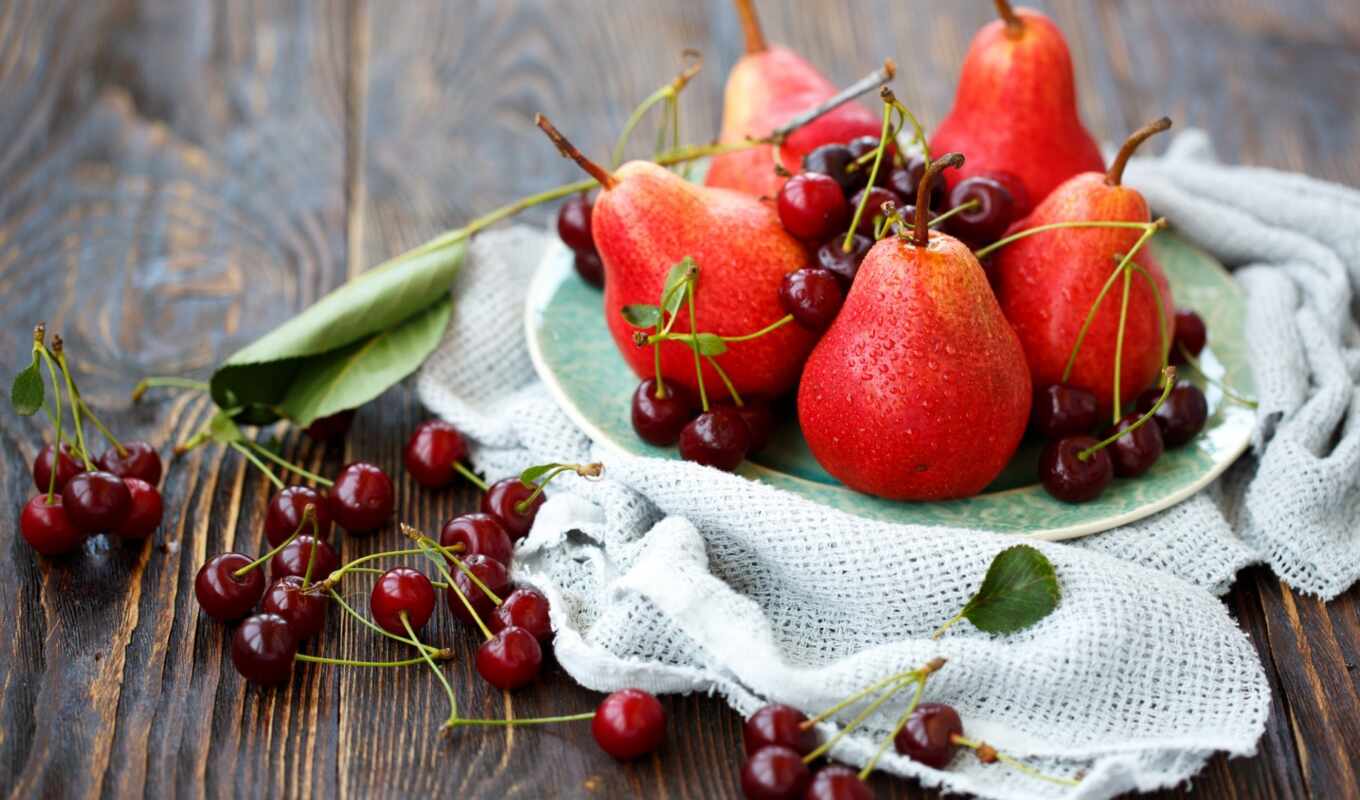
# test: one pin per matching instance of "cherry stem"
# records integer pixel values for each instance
(421, 539)
(442, 655)
(988, 754)
(376, 628)
(931, 666)
(1054, 226)
(848, 244)
(1119, 345)
(773, 326)
(949, 623)
(169, 382)
(694, 346)
(288, 465)
(353, 566)
(260, 465)
(1116, 171)
(472, 477)
(656, 364)
(750, 27)
(310, 511)
(901, 723)
(887, 695)
(921, 237)
(731, 390)
(1227, 392)
(569, 150)
(1163, 324)
(667, 93)
(593, 470)
(57, 417)
(968, 206)
(308, 518)
(515, 723)
(73, 400)
(472, 576)
(453, 698)
(1014, 25)
(1168, 380)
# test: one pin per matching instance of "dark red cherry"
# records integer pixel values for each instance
(812, 206)
(478, 533)
(835, 782)
(221, 593)
(46, 528)
(401, 590)
(874, 210)
(658, 420)
(502, 501)
(1061, 410)
(362, 498)
(1071, 478)
(511, 658)
(138, 460)
(96, 501)
(524, 608)
(328, 429)
(284, 513)
(304, 611)
(928, 736)
(862, 146)
(629, 723)
(988, 220)
(67, 467)
(1134, 453)
(904, 182)
(813, 296)
(831, 160)
(781, 725)
(573, 223)
(591, 268)
(1183, 414)
(263, 649)
(144, 512)
(832, 256)
(717, 438)
(1190, 335)
(432, 451)
(490, 572)
(292, 559)
(774, 773)
(759, 421)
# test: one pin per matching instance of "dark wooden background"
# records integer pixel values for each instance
(178, 176)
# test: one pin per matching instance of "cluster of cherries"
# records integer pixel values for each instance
(1076, 467)
(573, 226)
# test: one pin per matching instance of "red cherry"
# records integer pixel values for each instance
(927, 737)
(1183, 414)
(263, 648)
(490, 572)
(286, 507)
(1134, 453)
(832, 159)
(432, 451)
(479, 534)
(402, 590)
(629, 723)
(221, 594)
(759, 421)
(573, 223)
(1190, 334)
(877, 197)
(67, 467)
(812, 206)
(988, 220)
(813, 296)
(1071, 478)
(524, 608)
(362, 498)
(144, 513)
(774, 773)
(292, 559)
(835, 782)
(304, 611)
(780, 725)
(659, 420)
(96, 501)
(1060, 410)
(718, 438)
(501, 499)
(591, 268)
(832, 256)
(138, 460)
(46, 528)
(327, 429)
(509, 659)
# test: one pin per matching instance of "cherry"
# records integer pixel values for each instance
(326, 429)
(813, 296)
(716, 438)
(67, 467)
(96, 501)
(362, 498)
(629, 723)
(831, 160)
(46, 528)
(401, 590)
(1183, 414)
(221, 594)
(836, 782)
(1190, 335)
(304, 611)
(490, 572)
(995, 210)
(781, 725)
(774, 773)
(511, 658)
(144, 512)
(501, 499)
(658, 420)
(1068, 477)
(573, 223)
(1135, 453)
(862, 146)
(478, 533)
(759, 421)
(1061, 410)
(905, 182)
(915, 170)
(263, 648)
(928, 736)
(591, 269)
(432, 451)
(285, 510)
(292, 559)
(524, 608)
(877, 197)
(812, 206)
(138, 460)
(832, 256)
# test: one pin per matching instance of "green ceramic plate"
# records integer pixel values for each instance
(575, 357)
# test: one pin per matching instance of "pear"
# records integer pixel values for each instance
(647, 219)
(766, 88)
(1048, 282)
(919, 389)
(1016, 107)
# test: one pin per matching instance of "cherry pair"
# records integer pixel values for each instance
(434, 456)
(573, 226)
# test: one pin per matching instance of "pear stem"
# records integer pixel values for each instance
(1116, 172)
(1014, 25)
(569, 150)
(921, 236)
(750, 27)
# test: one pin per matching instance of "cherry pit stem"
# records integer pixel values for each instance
(308, 520)
(988, 754)
(921, 234)
(472, 477)
(169, 382)
(1116, 171)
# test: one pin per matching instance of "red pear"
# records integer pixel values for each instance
(1048, 282)
(1016, 107)
(767, 87)
(919, 389)
(647, 219)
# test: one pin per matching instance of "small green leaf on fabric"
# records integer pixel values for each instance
(641, 315)
(27, 392)
(1020, 589)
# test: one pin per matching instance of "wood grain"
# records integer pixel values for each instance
(181, 176)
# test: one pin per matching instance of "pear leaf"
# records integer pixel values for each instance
(28, 390)
(710, 344)
(641, 315)
(1020, 589)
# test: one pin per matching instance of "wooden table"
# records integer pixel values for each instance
(177, 177)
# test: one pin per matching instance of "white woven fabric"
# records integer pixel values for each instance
(677, 578)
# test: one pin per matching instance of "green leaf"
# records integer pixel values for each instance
(710, 344)
(678, 280)
(353, 375)
(222, 429)
(28, 390)
(263, 377)
(1020, 589)
(641, 315)
(531, 475)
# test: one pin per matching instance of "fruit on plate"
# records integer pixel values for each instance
(1016, 107)
(919, 389)
(766, 88)
(647, 219)
(1048, 283)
